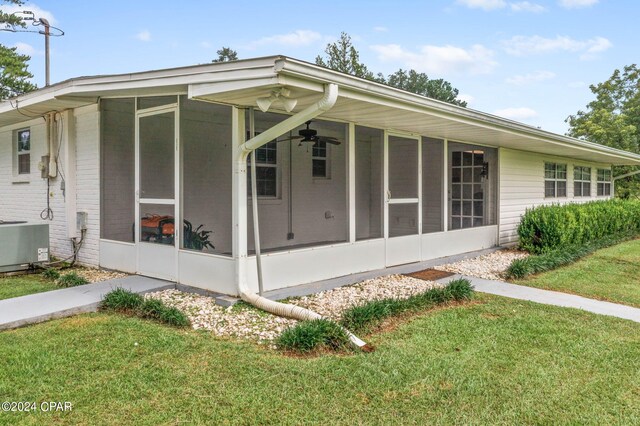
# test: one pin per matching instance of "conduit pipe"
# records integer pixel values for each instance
(249, 296)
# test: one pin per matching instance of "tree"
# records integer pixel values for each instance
(343, 56)
(226, 54)
(613, 119)
(419, 83)
(14, 73)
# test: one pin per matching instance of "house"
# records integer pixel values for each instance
(351, 175)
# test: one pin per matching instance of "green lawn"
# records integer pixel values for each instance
(21, 285)
(611, 274)
(496, 361)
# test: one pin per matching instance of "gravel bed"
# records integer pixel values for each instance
(94, 275)
(490, 266)
(246, 322)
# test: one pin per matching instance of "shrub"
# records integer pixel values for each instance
(125, 301)
(310, 335)
(71, 280)
(362, 318)
(51, 274)
(547, 228)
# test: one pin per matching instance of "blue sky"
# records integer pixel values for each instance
(531, 61)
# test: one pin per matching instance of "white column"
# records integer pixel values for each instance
(239, 195)
(69, 161)
(351, 179)
(445, 187)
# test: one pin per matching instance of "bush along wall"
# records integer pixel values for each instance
(547, 228)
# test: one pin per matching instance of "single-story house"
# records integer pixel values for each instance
(151, 170)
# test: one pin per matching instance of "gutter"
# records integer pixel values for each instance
(247, 148)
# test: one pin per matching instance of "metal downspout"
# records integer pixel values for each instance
(282, 309)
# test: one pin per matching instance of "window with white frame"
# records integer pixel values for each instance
(319, 160)
(266, 170)
(581, 181)
(604, 182)
(555, 180)
(23, 151)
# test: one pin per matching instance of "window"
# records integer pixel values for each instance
(581, 181)
(266, 170)
(23, 150)
(468, 175)
(604, 182)
(319, 160)
(555, 180)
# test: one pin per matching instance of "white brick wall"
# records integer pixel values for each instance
(25, 200)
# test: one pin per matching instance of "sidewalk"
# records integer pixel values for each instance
(554, 298)
(39, 307)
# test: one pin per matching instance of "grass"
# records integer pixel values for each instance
(497, 361)
(307, 336)
(21, 285)
(611, 274)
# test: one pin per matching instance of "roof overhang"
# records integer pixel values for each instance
(361, 101)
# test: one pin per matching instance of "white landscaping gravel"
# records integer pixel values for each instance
(246, 322)
(490, 266)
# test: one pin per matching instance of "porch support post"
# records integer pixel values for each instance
(445, 187)
(239, 196)
(351, 179)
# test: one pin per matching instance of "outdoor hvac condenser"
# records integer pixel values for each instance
(22, 245)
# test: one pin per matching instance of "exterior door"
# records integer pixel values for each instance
(403, 200)
(157, 216)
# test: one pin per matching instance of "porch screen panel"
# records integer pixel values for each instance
(403, 167)
(306, 208)
(369, 183)
(433, 163)
(157, 150)
(117, 169)
(206, 169)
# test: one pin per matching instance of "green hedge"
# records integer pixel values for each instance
(547, 228)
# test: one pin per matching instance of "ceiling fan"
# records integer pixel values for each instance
(311, 135)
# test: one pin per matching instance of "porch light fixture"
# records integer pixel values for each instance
(282, 94)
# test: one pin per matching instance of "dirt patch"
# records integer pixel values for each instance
(430, 274)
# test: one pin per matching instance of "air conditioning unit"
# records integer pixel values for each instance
(23, 245)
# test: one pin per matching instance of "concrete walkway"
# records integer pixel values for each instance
(554, 298)
(39, 307)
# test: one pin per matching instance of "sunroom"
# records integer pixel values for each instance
(388, 177)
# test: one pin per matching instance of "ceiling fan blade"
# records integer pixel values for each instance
(332, 141)
(292, 138)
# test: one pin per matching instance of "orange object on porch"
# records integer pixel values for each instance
(159, 222)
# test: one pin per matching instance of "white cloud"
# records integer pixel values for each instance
(37, 11)
(523, 45)
(520, 80)
(380, 29)
(440, 60)
(519, 113)
(25, 49)
(144, 35)
(483, 4)
(294, 39)
(576, 4)
(525, 6)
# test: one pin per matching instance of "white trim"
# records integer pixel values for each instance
(162, 201)
(351, 180)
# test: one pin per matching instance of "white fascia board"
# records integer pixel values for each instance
(369, 91)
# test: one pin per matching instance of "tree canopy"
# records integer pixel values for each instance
(14, 74)
(343, 56)
(613, 117)
(226, 54)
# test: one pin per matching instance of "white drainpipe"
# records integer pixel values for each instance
(282, 309)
